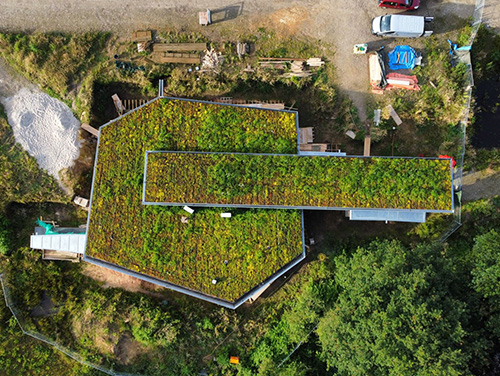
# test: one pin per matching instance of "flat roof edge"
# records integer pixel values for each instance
(199, 295)
(283, 207)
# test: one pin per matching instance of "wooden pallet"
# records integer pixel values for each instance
(306, 135)
(142, 36)
(176, 47)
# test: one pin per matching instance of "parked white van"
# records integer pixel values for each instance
(396, 25)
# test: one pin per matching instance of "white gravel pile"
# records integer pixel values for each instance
(45, 127)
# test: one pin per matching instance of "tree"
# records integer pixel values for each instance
(486, 271)
(396, 314)
(486, 276)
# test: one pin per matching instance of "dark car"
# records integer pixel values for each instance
(399, 4)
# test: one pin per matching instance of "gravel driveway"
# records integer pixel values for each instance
(335, 22)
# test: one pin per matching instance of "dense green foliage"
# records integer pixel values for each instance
(486, 271)
(486, 276)
(397, 314)
(423, 295)
(307, 181)
(486, 55)
(4, 235)
(156, 240)
(23, 355)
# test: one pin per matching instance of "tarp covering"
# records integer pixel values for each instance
(377, 69)
(402, 57)
(459, 54)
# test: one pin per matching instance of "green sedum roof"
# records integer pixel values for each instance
(293, 181)
(157, 241)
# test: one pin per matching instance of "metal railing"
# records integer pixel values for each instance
(476, 21)
(25, 326)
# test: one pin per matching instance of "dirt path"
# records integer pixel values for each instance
(482, 184)
(491, 15)
(337, 23)
(110, 278)
(11, 82)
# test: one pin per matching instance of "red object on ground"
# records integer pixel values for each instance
(448, 157)
(401, 81)
(399, 4)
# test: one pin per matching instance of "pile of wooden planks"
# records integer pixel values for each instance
(176, 57)
(178, 52)
(179, 47)
(297, 67)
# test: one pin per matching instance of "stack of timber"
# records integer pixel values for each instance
(178, 52)
(179, 47)
(176, 57)
(315, 62)
(143, 38)
(297, 67)
(48, 254)
(270, 104)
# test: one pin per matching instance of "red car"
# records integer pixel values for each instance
(399, 4)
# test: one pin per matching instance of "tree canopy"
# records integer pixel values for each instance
(396, 314)
(486, 276)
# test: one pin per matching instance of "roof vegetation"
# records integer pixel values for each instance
(298, 181)
(166, 242)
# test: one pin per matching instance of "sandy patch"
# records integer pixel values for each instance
(45, 127)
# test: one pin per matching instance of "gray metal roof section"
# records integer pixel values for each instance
(74, 243)
(387, 215)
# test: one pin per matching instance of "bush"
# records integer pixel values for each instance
(4, 236)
